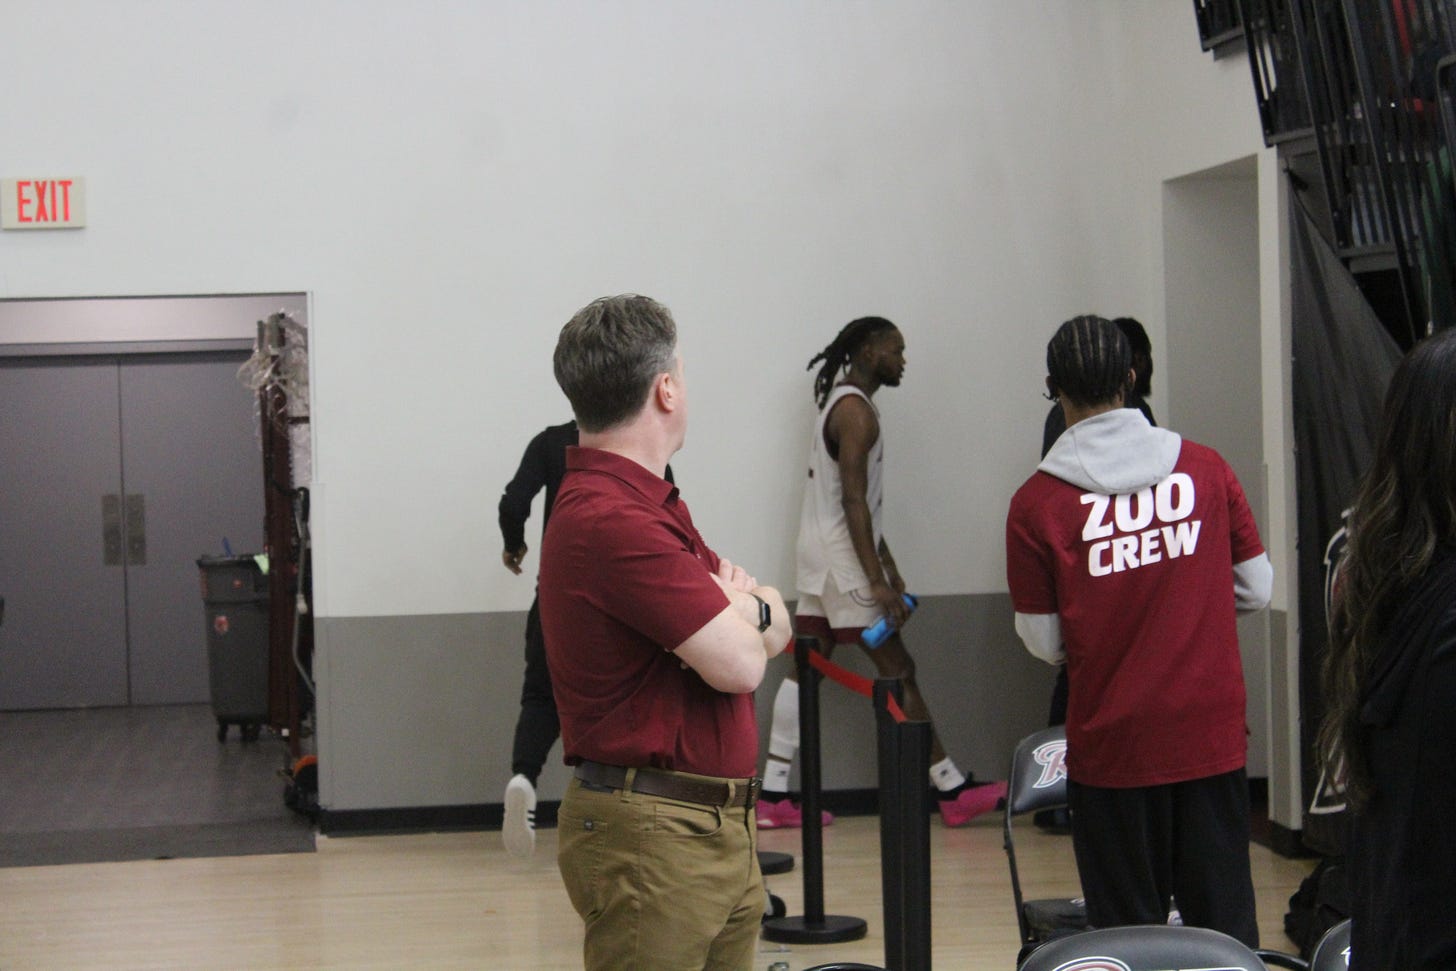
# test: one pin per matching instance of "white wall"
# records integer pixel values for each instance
(1197, 115)
(1184, 115)
(142, 319)
(450, 181)
(1211, 388)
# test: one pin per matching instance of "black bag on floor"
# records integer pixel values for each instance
(1321, 902)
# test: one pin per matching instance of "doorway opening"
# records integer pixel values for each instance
(130, 449)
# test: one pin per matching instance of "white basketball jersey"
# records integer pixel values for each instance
(824, 547)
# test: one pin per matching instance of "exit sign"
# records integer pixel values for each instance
(43, 203)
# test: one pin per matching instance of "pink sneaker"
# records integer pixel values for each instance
(785, 814)
(972, 801)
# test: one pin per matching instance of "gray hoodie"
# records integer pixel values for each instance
(1113, 453)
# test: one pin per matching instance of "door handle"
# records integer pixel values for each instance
(111, 529)
(136, 529)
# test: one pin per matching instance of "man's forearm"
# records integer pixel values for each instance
(861, 534)
(730, 652)
(514, 507)
(513, 534)
(512, 512)
(780, 631)
(892, 569)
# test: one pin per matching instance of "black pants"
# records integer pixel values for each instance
(1057, 709)
(1136, 848)
(537, 727)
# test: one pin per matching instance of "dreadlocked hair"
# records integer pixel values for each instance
(1088, 360)
(841, 351)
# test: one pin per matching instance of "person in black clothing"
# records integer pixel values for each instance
(1390, 675)
(537, 727)
(1057, 820)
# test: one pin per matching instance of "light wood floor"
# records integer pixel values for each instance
(458, 901)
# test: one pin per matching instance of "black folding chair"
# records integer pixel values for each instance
(1038, 780)
(1279, 959)
(1153, 947)
(1332, 953)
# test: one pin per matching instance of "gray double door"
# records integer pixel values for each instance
(116, 474)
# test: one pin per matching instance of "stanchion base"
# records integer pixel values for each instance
(833, 929)
(771, 862)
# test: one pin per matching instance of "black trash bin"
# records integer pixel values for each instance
(235, 597)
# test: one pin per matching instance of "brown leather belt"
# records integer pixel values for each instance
(670, 785)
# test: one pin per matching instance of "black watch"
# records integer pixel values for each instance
(765, 616)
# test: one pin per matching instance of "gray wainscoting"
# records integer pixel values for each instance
(418, 712)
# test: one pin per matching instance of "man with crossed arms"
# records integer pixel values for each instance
(655, 645)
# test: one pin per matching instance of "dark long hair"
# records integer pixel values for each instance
(841, 350)
(1404, 512)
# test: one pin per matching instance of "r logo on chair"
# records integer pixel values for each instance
(1052, 757)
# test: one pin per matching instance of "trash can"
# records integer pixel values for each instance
(235, 598)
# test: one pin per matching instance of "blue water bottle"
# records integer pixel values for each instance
(875, 634)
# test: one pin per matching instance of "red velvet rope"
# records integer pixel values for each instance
(857, 683)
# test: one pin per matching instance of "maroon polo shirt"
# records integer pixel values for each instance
(625, 579)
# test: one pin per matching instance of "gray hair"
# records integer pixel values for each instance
(608, 355)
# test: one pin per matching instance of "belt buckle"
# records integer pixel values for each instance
(755, 786)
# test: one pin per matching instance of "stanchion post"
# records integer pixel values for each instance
(914, 744)
(814, 927)
(892, 883)
(810, 779)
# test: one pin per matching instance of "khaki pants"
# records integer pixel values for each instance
(660, 883)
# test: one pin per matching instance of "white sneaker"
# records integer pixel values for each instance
(518, 830)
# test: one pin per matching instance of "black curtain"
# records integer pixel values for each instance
(1343, 360)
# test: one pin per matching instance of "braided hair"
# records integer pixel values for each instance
(1088, 360)
(841, 351)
